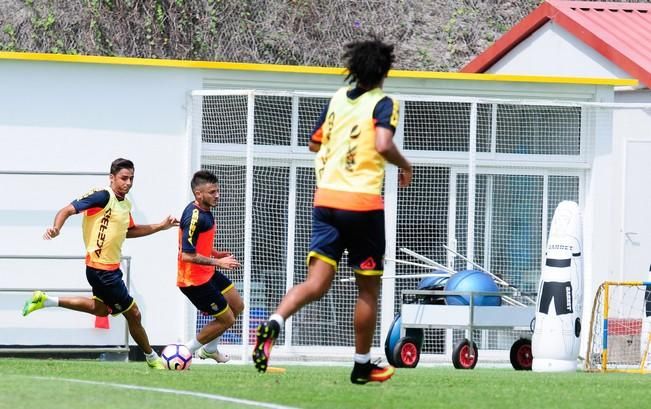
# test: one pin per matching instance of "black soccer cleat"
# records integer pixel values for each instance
(265, 338)
(370, 372)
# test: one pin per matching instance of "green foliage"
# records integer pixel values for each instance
(436, 35)
(10, 32)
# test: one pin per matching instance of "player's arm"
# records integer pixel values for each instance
(385, 147)
(220, 254)
(225, 259)
(141, 230)
(192, 225)
(95, 199)
(221, 259)
(386, 115)
(59, 220)
(314, 144)
(227, 263)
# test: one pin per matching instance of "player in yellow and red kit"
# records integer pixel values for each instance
(208, 289)
(353, 141)
(106, 223)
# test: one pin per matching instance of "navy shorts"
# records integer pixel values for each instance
(361, 233)
(110, 289)
(209, 296)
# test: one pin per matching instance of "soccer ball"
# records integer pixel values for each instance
(177, 357)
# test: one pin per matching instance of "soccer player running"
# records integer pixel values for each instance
(354, 139)
(209, 290)
(106, 223)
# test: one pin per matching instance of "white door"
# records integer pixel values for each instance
(636, 228)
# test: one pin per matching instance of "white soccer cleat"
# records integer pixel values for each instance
(219, 357)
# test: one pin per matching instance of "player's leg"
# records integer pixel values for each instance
(209, 335)
(94, 305)
(88, 305)
(363, 233)
(364, 322)
(83, 304)
(234, 300)
(38, 300)
(212, 298)
(319, 279)
(211, 349)
(365, 315)
(325, 251)
(110, 289)
(138, 333)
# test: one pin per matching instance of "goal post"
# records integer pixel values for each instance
(620, 324)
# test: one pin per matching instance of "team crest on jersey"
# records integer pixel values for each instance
(90, 192)
(118, 307)
(214, 307)
(350, 157)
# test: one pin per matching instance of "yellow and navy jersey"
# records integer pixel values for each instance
(349, 170)
(196, 235)
(105, 223)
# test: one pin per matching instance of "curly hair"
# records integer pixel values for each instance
(368, 61)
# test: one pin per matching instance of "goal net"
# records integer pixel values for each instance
(619, 334)
(488, 175)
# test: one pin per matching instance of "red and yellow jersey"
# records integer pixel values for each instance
(349, 170)
(196, 235)
(105, 223)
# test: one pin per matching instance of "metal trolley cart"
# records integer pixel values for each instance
(419, 312)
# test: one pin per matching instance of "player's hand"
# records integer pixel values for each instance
(404, 176)
(227, 263)
(168, 222)
(220, 254)
(50, 233)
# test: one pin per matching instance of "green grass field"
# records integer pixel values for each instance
(50, 384)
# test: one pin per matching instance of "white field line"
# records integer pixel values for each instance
(169, 391)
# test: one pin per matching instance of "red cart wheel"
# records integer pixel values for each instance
(465, 355)
(521, 356)
(406, 354)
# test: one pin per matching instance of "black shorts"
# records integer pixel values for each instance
(362, 233)
(209, 296)
(110, 289)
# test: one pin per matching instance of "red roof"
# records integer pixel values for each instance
(621, 32)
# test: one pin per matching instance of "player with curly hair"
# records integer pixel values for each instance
(353, 140)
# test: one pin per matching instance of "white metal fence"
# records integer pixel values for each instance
(488, 175)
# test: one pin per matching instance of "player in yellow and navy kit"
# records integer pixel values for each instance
(353, 140)
(209, 290)
(106, 223)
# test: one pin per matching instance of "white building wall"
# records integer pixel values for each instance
(66, 117)
(632, 170)
(551, 50)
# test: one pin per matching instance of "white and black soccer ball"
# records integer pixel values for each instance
(177, 357)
